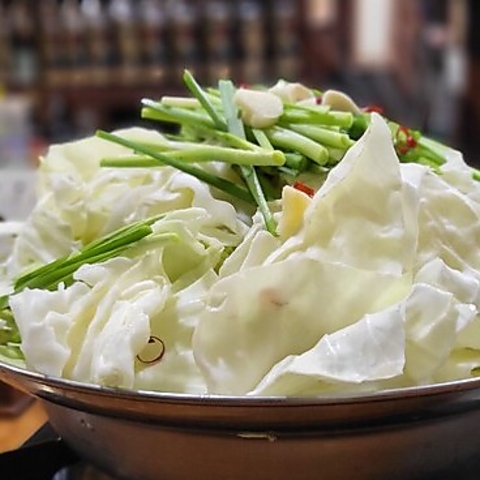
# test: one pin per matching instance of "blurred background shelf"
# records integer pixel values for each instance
(70, 66)
(86, 63)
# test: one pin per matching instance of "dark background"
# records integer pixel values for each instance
(68, 67)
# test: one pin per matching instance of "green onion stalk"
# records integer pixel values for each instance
(62, 270)
(305, 139)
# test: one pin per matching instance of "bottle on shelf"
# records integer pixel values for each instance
(286, 44)
(23, 43)
(153, 41)
(184, 35)
(73, 24)
(123, 14)
(5, 51)
(52, 50)
(218, 39)
(252, 41)
(98, 46)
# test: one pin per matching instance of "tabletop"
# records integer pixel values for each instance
(16, 428)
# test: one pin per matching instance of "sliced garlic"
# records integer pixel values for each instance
(259, 109)
(294, 204)
(339, 101)
(292, 92)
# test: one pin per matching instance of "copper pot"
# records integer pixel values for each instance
(420, 432)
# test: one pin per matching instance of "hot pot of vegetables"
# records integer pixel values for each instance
(286, 285)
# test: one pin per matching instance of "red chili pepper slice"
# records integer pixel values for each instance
(404, 140)
(411, 142)
(304, 188)
(373, 108)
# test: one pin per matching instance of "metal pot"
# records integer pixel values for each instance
(414, 433)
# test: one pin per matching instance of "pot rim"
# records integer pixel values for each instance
(383, 408)
(11, 373)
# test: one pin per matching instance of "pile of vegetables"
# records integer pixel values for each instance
(272, 138)
(246, 144)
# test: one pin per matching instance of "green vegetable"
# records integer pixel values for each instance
(202, 97)
(235, 126)
(161, 159)
(304, 137)
(290, 140)
(61, 270)
(308, 139)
